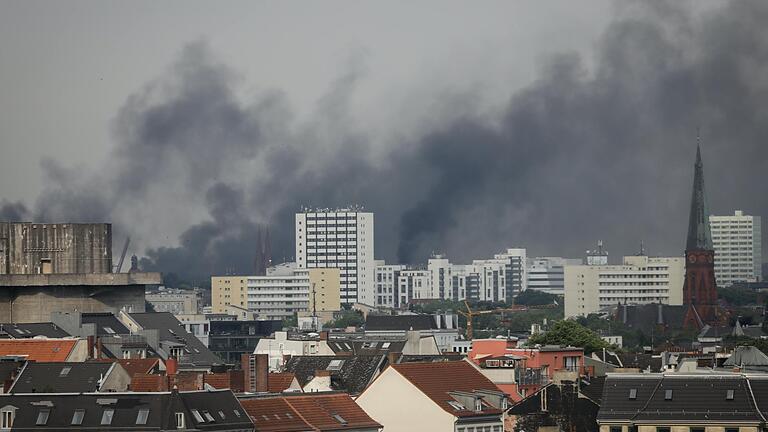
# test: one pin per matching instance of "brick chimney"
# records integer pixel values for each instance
(99, 348)
(91, 346)
(393, 357)
(171, 366)
(262, 372)
(324, 335)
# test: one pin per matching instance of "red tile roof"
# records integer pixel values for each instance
(274, 415)
(42, 350)
(315, 412)
(437, 379)
(279, 382)
(330, 412)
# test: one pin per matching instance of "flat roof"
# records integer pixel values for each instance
(79, 279)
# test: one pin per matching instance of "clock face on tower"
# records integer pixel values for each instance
(691, 258)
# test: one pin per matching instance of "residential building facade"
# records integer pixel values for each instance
(342, 239)
(388, 293)
(547, 274)
(738, 248)
(639, 280)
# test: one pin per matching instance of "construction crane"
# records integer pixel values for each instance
(119, 267)
(470, 314)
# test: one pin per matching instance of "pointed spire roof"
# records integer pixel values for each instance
(699, 235)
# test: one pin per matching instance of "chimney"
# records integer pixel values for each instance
(393, 357)
(91, 346)
(262, 372)
(171, 366)
(245, 365)
(324, 335)
(7, 385)
(99, 348)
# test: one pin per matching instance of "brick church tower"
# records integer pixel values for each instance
(699, 289)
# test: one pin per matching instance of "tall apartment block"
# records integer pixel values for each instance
(343, 239)
(738, 248)
(515, 271)
(388, 292)
(639, 280)
(547, 274)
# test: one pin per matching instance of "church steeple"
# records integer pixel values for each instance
(699, 234)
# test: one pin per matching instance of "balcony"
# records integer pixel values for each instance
(530, 376)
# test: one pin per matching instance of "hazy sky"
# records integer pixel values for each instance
(467, 127)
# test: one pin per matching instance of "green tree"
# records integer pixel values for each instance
(570, 333)
(533, 297)
(347, 318)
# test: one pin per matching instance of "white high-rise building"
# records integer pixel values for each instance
(738, 248)
(515, 271)
(343, 239)
(639, 280)
(546, 274)
(388, 292)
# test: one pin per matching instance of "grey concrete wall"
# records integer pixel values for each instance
(71, 248)
(36, 303)
(118, 380)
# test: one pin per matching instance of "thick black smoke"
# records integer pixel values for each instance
(14, 211)
(590, 150)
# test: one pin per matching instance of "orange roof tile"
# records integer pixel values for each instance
(436, 380)
(217, 380)
(280, 382)
(329, 412)
(42, 350)
(274, 415)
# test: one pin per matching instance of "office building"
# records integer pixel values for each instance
(285, 291)
(175, 301)
(514, 270)
(738, 248)
(342, 239)
(639, 280)
(546, 274)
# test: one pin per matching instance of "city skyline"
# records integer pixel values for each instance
(581, 140)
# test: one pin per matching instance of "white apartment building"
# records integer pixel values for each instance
(448, 281)
(282, 293)
(489, 280)
(515, 270)
(738, 248)
(387, 289)
(414, 284)
(639, 280)
(342, 239)
(546, 274)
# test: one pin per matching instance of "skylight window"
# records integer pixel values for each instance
(109, 330)
(208, 416)
(141, 419)
(633, 394)
(65, 371)
(340, 419)
(265, 417)
(221, 414)
(729, 395)
(197, 416)
(237, 413)
(385, 345)
(289, 415)
(42, 417)
(77, 417)
(668, 394)
(335, 365)
(457, 406)
(106, 416)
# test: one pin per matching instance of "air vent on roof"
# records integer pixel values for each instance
(668, 394)
(729, 395)
(633, 394)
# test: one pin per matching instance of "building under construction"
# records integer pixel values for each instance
(34, 248)
(65, 267)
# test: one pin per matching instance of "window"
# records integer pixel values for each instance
(633, 394)
(180, 423)
(697, 429)
(221, 414)
(662, 429)
(478, 405)
(6, 420)
(106, 417)
(197, 416)
(615, 428)
(77, 417)
(335, 365)
(126, 354)
(729, 395)
(141, 419)
(42, 416)
(668, 394)
(457, 406)
(340, 419)
(109, 330)
(732, 429)
(208, 416)
(65, 371)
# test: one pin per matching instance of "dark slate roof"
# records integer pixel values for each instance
(126, 406)
(699, 235)
(399, 322)
(411, 358)
(47, 377)
(593, 389)
(30, 330)
(9, 368)
(563, 402)
(641, 361)
(646, 317)
(355, 373)
(694, 398)
(358, 347)
(104, 323)
(172, 331)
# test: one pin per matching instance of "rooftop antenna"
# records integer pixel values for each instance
(642, 248)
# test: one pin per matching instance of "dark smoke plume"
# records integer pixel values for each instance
(590, 150)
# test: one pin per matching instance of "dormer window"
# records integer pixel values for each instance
(180, 423)
(6, 417)
(478, 405)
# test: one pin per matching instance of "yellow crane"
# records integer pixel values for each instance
(470, 314)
